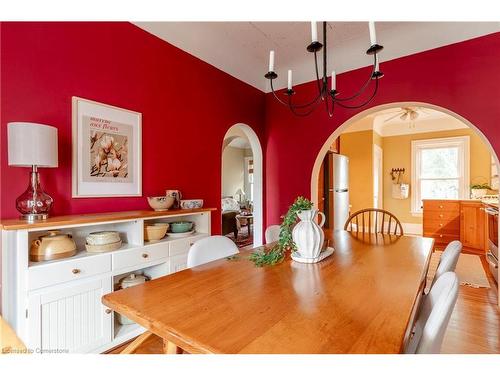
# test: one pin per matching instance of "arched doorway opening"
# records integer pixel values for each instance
(410, 203)
(326, 146)
(248, 190)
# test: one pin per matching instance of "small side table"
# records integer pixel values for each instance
(246, 220)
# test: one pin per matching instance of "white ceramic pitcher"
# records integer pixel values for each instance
(307, 235)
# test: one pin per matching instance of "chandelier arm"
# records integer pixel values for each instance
(298, 106)
(321, 87)
(276, 96)
(293, 108)
(330, 113)
(363, 104)
(320, 90)
(363, 88)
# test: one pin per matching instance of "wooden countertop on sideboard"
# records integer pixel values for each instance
(15, 224)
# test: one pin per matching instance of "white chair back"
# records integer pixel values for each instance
(449, 259)
(434, 315)
(272, 233)
(209, 249)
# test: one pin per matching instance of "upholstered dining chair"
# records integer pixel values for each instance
(449, 259)
(374, 220)
(272, 233)
(209, 249)
(434, 316)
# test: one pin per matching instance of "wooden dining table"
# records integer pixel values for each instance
(361, 299)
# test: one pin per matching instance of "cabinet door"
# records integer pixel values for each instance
(472, 222)
(178, 263)
(71, 318)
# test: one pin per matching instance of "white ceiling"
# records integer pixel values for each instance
(385, 124)
(241, 49)
(239, 142)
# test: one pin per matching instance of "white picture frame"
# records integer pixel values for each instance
(106, 150)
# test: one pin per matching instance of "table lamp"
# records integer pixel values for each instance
(32, 145)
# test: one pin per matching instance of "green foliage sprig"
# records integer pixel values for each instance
(285, 242)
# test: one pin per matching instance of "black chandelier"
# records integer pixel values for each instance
(329, 97)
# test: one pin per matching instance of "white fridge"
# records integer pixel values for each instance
(339, 191)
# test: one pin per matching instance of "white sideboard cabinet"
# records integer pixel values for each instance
(55, 306)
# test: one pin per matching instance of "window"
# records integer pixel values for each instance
(440, 170)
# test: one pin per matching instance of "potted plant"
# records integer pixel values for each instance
(479, 190)
(285, 242)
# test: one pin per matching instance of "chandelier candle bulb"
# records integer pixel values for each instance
(376, 66)
(289, 80)
(271, 61)
(373, 34)
(334, 79)
(314, 32)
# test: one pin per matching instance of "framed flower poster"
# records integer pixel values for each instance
(107, 153)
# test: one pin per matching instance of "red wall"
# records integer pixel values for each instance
(187, 106)
(464, 78)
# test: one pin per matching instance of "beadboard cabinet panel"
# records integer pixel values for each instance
(71, 319)
(178, 263)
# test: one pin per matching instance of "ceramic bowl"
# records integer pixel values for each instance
(162, 203)
(187, 204)
(103, 238)
(103, 248)
(181, 226)
(155, 231)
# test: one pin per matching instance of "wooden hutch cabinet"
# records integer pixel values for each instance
(449, 220)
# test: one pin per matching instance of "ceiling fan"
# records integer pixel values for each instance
(407, 113)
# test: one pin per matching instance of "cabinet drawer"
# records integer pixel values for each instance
(441, 205)
(68, 270)
(443, 226)
(182, 246)
(146, 254)
(441, 215)
(442, 238)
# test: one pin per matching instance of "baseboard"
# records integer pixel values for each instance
(412, 229)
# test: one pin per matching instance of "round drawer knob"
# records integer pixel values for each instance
(108, 311)
(440, 225)
(440, 236)
(145, 255)
(75, 270)
(440, 206)
(441, 215)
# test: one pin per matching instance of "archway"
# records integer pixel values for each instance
(236, 131)
(369, 111)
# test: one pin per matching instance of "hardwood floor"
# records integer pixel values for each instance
(475, 323)
(474, 326)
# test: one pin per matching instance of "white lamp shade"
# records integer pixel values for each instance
(239, 192)
(32, 144)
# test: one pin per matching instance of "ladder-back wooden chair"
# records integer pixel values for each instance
(374, 220)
